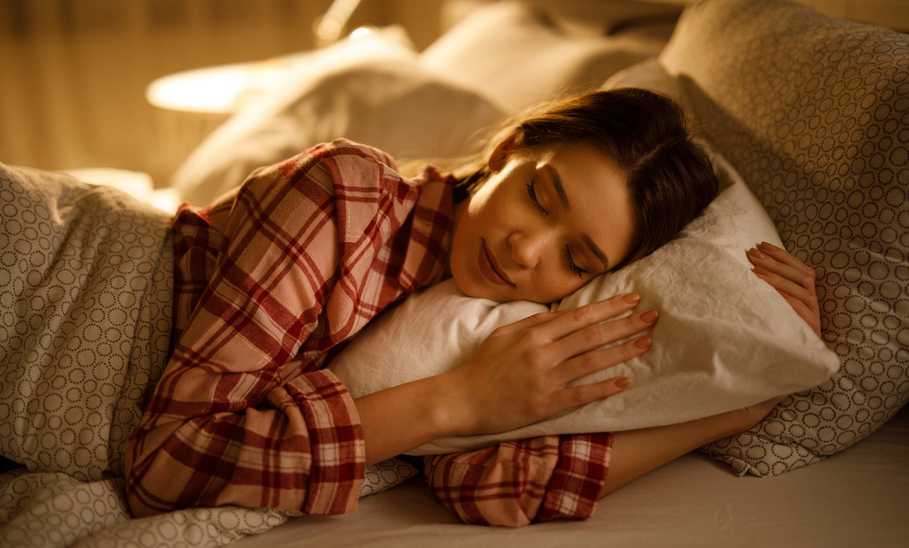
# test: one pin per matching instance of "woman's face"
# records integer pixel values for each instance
(544, 249)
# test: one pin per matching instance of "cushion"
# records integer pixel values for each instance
(519, 56)
(386, 474)
(725, 339)
(814, 112)
(371, 90)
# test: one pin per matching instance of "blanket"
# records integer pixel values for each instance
(86, 282)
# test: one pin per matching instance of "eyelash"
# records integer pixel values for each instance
(533, 196)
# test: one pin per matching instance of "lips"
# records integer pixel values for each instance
(490, 269)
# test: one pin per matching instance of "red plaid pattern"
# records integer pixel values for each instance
(520, 482)
(269, 282)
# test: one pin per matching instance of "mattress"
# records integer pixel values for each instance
(692, 501)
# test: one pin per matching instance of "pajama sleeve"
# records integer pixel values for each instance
(516, 483)
(233, 418)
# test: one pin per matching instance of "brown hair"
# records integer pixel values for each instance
(670, 178)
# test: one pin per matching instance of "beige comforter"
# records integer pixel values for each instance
(85, 321)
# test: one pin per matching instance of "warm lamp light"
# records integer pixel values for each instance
(224, 89)
(205, 90)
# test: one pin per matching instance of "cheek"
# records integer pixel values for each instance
(556, 285)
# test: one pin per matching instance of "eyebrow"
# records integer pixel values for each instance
(563, 197)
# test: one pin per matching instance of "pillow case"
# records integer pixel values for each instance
(814, 112)
(371, 90)
(518, 55)
(725, 339)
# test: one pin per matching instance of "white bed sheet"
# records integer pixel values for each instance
(855, 498)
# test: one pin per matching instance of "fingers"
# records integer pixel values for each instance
(788, 276)
(583, 394)
(595, 360)
(569, 321)
(599, 334)
(766, 262)
(807, 313)
(782, 284)
(793, 280)
(783, 256)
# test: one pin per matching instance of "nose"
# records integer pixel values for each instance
(527, 248)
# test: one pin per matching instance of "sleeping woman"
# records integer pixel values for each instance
(272, 279)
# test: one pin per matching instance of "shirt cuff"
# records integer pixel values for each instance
(336, 440)
(578, 478)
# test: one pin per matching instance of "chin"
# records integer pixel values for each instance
(466, 288)
(470, 287)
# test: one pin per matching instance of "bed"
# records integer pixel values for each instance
(851, 499)
(813, 111)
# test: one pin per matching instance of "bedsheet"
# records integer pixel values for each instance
(854, 498)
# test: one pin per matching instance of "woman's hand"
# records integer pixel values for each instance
(792, 278)
(520, 374)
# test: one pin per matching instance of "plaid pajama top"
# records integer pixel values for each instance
(270, 281)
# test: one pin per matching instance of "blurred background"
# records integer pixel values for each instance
(78, 88)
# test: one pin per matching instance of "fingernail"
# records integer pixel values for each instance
(643, 342)
(764, 245)
(632, 298)
(650, 316)
(623, 383)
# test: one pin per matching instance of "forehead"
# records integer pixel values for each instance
(587, 162)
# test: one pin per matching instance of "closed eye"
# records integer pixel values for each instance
(531, 191)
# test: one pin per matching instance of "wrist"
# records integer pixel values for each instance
(400, 418)
(451, 411)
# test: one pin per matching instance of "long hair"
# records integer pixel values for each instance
(670, 178)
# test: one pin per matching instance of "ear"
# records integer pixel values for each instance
(499, 156)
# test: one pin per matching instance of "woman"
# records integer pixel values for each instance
(272, 279)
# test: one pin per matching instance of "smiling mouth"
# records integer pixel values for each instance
(495, 268)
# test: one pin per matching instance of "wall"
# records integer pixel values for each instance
(75, 71)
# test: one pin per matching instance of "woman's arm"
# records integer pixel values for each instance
(561, 477)
(400, 418)
(239, 416)
(636, 452)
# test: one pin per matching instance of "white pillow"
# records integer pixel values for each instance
(518, 56)
(371, 90)
(725, 338)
